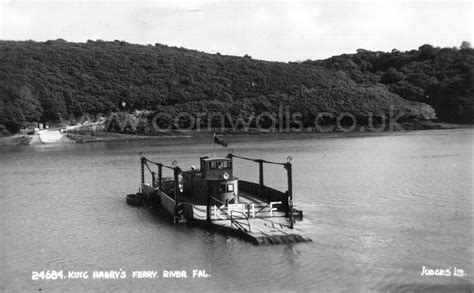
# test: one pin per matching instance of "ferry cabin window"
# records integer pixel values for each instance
(225, 164)
(219, 164)
(215, 165)
(230, 187)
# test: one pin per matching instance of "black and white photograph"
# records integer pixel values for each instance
(236, 146)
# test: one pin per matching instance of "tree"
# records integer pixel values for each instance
(465, 45)
(12, 126)
(392, 75)
(426, 51)
(29, 104)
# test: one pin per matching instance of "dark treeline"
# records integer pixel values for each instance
(440, 77)
(54, 80)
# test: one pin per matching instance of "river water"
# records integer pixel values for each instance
(378, 208)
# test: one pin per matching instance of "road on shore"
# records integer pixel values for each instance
(48, 136)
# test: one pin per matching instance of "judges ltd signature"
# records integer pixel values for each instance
(451, 271)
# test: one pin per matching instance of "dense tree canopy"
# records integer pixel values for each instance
(56, 79)
(440, 77)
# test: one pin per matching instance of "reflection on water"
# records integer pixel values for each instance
(378, 209)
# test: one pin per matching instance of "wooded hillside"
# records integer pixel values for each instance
(46, 81)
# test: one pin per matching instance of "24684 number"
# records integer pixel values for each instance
(47, 275)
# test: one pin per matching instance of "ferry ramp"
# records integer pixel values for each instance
(263, 231)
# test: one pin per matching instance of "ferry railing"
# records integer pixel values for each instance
(261, 209)
(261, 188)
(245, 217)
(229, 217)
(176, 172)
(266, 208)
(233, 221)
(222, 203)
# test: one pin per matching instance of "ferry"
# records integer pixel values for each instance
(212, 196)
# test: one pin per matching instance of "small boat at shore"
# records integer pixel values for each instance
(212, 196)
(135, 199)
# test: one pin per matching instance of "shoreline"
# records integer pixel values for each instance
(99, 136)
(41, 137)
(55, 136)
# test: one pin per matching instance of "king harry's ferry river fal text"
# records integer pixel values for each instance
(118, 274)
